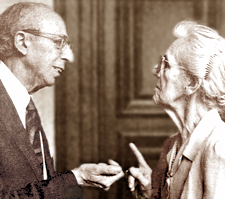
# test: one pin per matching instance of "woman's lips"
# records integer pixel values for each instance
(157, 87)
(58, 69)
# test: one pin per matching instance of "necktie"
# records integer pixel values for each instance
(33, 126)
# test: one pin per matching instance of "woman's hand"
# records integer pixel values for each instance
(139, 179)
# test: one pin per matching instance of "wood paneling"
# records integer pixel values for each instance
(78, 93)
(144, 33)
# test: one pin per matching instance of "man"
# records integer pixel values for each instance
(33, 50)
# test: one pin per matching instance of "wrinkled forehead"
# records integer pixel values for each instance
(48, 21)
(177, 47)
(177, 44)
(170, 52)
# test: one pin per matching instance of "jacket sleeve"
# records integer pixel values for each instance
(60, 186)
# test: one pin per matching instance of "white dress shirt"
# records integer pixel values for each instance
(16, 91)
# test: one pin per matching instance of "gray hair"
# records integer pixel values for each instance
(200, 50)
(17, 17)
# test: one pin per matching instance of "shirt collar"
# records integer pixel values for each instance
(200, 133)
(16, 91)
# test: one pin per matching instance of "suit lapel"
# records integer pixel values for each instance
(15, 128)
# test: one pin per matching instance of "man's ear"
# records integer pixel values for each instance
(21, 42)
(193, 85)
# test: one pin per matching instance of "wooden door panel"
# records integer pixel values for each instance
(149, 144)
(143, 33)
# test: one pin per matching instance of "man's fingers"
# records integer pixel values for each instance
(112, 162)
(102, 164)
(108, 169)
(98, 175)
(106, 181)
(114, 178)
(94, 184)
(138, 155)
(106, 189)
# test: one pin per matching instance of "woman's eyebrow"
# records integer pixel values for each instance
(166, 58)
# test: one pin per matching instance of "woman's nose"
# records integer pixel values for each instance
(155, 71)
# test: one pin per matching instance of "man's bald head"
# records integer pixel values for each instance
(21, 16)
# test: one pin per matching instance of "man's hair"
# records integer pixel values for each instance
(17, 17)
(201, 51)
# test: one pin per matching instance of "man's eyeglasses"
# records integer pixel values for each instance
(60, 40)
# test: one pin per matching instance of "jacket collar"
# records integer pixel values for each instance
(189, 150)
(201, 132)
(193, 144)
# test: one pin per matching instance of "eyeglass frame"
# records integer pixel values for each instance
(162, 60)
(64, 39)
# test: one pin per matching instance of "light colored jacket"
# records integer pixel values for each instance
(199, 168)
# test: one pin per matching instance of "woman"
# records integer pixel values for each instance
(191, 89)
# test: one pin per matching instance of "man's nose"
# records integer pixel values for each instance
(67, 54)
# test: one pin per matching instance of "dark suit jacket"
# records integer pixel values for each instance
(20, 172)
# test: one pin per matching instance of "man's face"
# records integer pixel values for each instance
(45, 57)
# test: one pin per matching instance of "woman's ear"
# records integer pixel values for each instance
(193, 85)
(21, 42)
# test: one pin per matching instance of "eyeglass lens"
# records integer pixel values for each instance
(61, 42)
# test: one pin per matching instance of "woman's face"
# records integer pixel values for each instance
(170, 88)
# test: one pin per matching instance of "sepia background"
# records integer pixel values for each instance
(103, 101)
